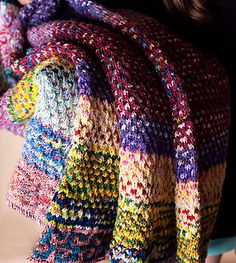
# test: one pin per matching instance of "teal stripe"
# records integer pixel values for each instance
(221, 245)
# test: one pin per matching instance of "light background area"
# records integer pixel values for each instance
(17, 233)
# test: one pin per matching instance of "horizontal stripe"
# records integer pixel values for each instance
(146, 177)
(45, 149)
(85, 213)
(84, 245)
(161, 251)
(90, 175)
(186, 163)
(210, 184)
(144, 135)
(96, 125)
(69, 203)
(86, 221)
(141, 134)
(31, 190)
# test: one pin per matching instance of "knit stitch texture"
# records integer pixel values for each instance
(126, 131)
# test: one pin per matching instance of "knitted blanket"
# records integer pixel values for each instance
(126, 130)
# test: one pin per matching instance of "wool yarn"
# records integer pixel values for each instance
(47, 139)
(11, 38)
(126, 137)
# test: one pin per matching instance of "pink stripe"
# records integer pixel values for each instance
(31, 191)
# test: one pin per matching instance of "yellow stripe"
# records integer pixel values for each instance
(24, 96)
(96, 125)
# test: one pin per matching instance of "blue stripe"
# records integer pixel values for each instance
(57, 243)
(39, 151)
(102, 215)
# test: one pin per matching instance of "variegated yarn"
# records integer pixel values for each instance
(126, 136)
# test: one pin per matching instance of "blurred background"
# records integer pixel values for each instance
(17, 233)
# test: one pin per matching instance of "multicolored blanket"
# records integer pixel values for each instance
(126, 130)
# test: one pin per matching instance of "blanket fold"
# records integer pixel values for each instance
(126, 129)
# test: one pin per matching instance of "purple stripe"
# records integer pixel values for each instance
(92, 81)
(186, 165)
(140, 134)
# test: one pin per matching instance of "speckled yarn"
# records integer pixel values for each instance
(11, 38)
(39, 11)
(127, 137)
(11, 42)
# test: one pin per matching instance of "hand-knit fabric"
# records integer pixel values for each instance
(126, 136)
(47, 140)
(11, 41)
(11, 38)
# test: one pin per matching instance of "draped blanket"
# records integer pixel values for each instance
(126, 129)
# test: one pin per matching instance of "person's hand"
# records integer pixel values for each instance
(25, 2)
